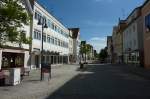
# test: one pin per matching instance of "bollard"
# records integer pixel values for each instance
(81, 65)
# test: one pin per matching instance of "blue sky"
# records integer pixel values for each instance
(95, 18)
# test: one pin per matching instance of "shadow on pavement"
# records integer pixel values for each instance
(102, 82)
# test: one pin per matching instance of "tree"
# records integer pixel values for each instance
(103, 54)
(13, 17)
(84, 49)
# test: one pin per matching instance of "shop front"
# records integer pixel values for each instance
(132, 57)
(53, 58)
(13, 62)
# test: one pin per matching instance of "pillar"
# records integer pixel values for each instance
(0, 58)
(57, 60)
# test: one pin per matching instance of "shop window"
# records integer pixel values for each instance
(12, 60)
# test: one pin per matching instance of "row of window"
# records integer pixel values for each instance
(132, 45)
(50, 24)
(50, 39)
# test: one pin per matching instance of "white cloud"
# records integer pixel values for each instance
(98, 42)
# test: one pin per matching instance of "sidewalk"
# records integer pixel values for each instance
(32, 88)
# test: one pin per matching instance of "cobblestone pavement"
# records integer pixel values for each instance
(95, 81)
(104, 82)
(32, 88)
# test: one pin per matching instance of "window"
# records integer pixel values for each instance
(44, 37)
(49, 24)
(147, 21)
(37, 35)
(44, 19)
(52, 40)
(37, 15)
(53, 27)
(48, 39)
(61, 32)
(55, 41)
(59, 42)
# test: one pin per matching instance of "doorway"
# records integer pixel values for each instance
(37, 61)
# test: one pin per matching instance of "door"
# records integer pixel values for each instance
(37, 61)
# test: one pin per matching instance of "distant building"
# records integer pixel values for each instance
(133, 38)
(146, 29)
(74, 44)
(90, 55)
(115, 58)
(119, 40)
(109, 49)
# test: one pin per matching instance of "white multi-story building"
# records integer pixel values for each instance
(133, 38)
(55, 39)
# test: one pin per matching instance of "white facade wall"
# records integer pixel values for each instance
(49, 31)
(37, 44)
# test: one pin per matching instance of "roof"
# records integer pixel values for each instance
(146, 1)
(137, 8)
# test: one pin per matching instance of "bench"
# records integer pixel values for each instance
(24, 72)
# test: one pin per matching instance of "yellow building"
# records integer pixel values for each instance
(117, 39)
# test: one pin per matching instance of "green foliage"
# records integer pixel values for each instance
(84, 48)
(103, 54)
(12, 18)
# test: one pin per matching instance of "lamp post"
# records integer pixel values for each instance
(44, 25)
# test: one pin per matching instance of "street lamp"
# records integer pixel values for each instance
(44, 25)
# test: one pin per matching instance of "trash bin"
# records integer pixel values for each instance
(12, 76)
(81, 65)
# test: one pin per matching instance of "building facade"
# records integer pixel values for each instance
(75, 41)
(55, 38)
(119, 40)
(109, 49)
(146, 32)
(133, 38)
(115, 57)
(71, 54)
